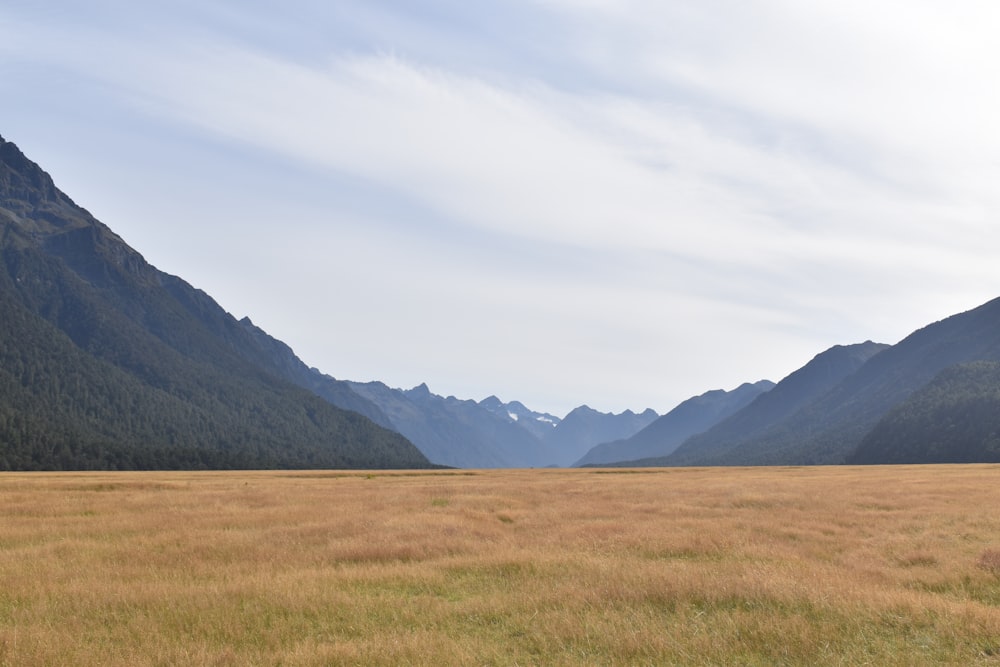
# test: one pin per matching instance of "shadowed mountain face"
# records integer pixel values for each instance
(665, 434)
(106, 362)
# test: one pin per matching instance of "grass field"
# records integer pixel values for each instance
(766, 566)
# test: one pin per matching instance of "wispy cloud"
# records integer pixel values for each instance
(635, 199)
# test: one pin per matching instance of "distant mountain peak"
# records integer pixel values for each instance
(516, 411)
(26, 186)
(491, 402)
(420, 390)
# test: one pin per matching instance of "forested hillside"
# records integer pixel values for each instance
(106, 362)
(953, 419)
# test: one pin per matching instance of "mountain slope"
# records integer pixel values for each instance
(830, 428)
(798, 389)
(108, 362)
(276, 357)
(955, 418)
(666, 433)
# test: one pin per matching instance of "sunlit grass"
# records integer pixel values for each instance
(764, 566)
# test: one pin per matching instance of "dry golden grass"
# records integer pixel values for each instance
(765, 566)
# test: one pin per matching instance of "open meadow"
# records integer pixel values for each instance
(749, 566)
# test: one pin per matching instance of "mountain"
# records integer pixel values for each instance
(584, 427)
(800, 388)
(491, 433)
(566, 439)
(107, 362)
(955, 418)
(454, 432)
(539, 424)
(278, 358)
(666, 433)
(830, 428)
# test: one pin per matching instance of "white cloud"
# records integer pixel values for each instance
(666, 198)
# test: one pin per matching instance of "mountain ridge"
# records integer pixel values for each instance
(801, 387)
(153, 373)
(829, 429)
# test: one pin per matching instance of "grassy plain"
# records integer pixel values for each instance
(765, 566)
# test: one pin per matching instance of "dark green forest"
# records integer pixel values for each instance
(953, 419)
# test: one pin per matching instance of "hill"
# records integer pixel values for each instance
(107, 362)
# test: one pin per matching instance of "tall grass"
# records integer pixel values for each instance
(763, 566)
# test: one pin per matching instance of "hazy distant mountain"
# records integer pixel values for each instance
(955, 418)
(454, 432)
(441, 437)
(491, 433)
(539, 424)
(565, 438)
(665, 434)
(799, 389)
(106, 362)
(585, 427)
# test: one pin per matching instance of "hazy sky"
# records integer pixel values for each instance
(618, 203)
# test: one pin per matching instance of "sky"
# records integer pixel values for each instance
(563, 202)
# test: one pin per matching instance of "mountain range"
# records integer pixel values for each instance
(109, 363)
(932, 397)
(494, 434)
